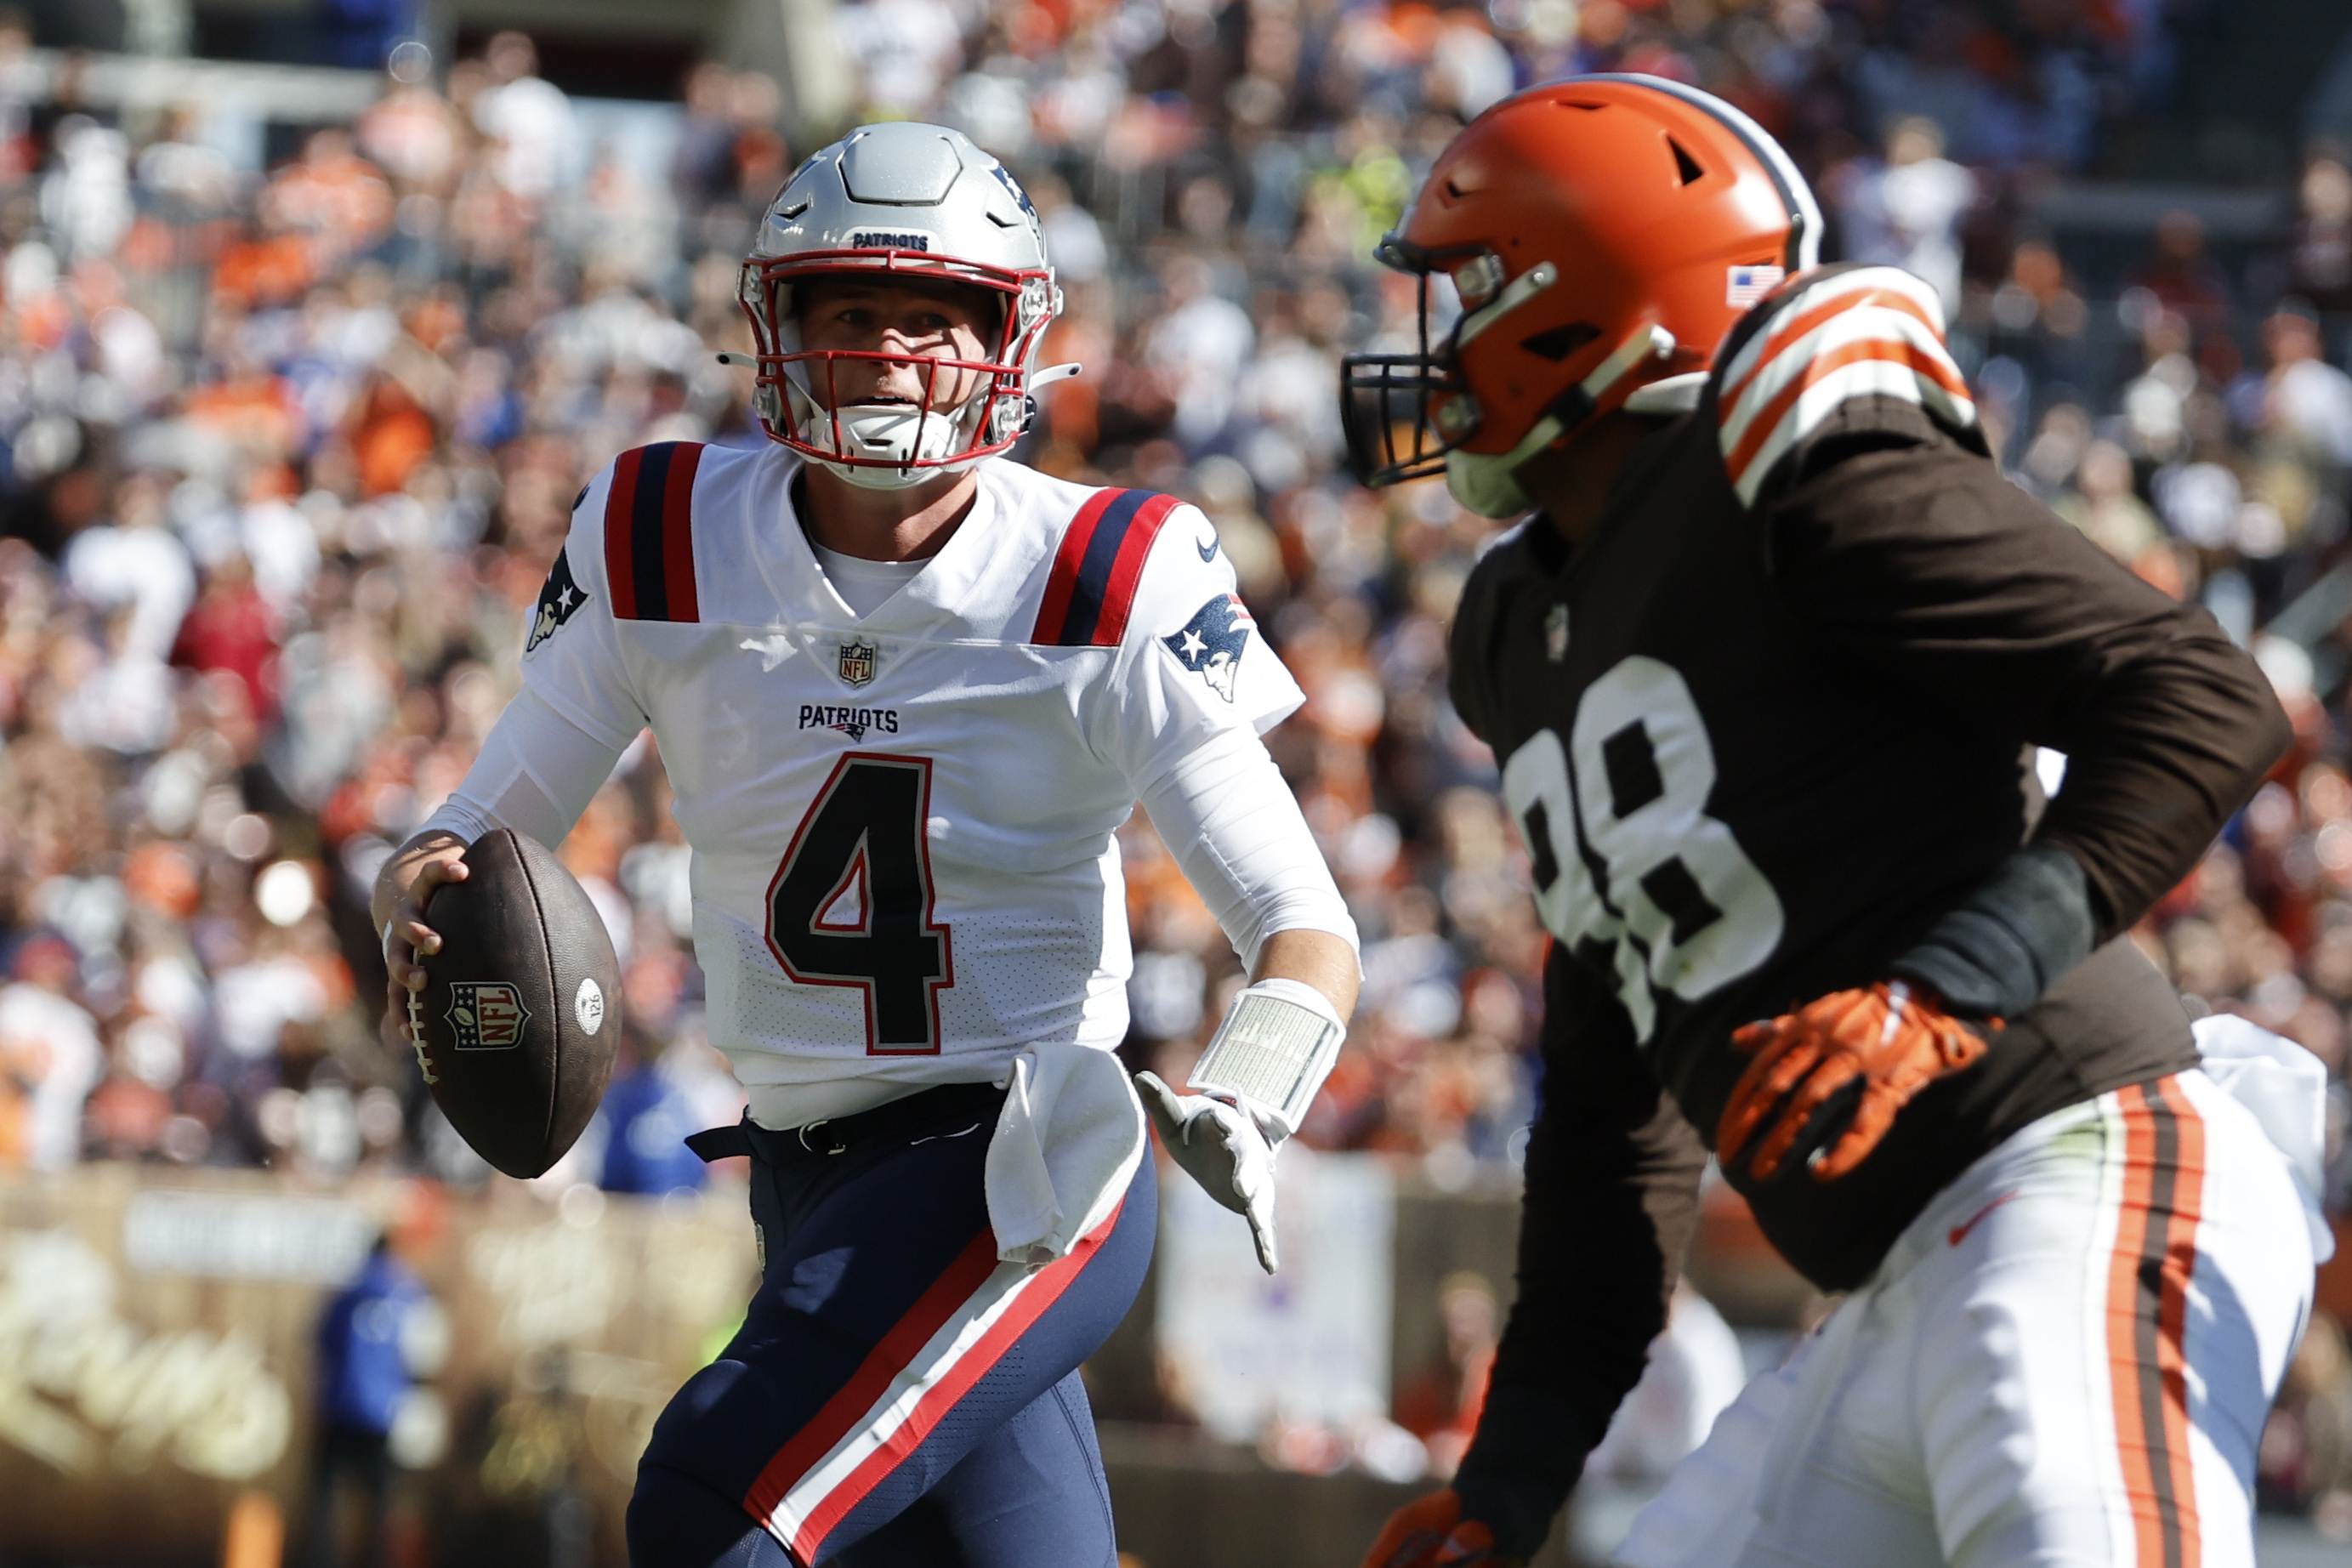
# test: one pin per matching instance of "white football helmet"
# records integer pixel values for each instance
(902, 199)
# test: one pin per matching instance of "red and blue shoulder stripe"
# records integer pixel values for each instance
(1092, 587)
(650, 533)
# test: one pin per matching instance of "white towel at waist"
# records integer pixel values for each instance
(1066, 1145)
(2285, 1087)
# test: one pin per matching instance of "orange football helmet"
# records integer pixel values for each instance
(1601, 235)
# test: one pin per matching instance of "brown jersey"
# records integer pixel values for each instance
(1765, 725)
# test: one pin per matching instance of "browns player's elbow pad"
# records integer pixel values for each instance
(2007, 942)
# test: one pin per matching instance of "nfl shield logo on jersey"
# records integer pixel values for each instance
(856, 662)
(1211, 643)
(486, 1015)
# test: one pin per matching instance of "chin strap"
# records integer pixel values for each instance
(1670, 394)
(820, 424)
(1577, 406)
(1489, 486)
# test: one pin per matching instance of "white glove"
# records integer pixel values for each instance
(1221, 1148)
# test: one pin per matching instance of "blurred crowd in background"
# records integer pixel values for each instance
(285, 450)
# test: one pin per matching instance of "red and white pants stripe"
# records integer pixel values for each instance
(957, 1333)
(2065, 1362)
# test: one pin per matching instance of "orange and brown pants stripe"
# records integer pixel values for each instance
(2148, 1306)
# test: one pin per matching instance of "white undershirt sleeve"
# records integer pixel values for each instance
(1235, 828)
(536, 773)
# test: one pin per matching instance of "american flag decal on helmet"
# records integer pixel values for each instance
(1746, 285)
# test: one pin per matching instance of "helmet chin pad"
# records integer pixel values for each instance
(1489, 486)
(1486, 486)
(905, 445)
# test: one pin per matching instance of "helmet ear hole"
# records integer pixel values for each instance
(1558, 342)
(1685, 165)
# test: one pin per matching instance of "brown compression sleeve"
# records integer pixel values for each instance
(1612, 1176)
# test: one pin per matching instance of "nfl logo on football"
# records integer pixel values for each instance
(856, 663)
(486, 1015)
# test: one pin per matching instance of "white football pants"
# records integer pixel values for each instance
(2066, 1360)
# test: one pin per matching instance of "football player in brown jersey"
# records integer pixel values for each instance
(1763, 676)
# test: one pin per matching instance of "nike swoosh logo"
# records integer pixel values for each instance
(1208, 551)
(1960, 1232)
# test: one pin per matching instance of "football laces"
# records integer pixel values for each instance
(417, 1027)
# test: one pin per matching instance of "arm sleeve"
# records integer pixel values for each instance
(1921, 561)
(536, 772)
(1612, 1176)
(1193, 664)
(1235, 826)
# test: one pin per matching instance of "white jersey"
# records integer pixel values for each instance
(902, 822)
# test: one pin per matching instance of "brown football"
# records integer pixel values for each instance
(516, 1026)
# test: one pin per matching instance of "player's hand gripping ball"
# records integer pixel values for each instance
(1867, 1051)
(522, 1006)
(1430, 1532)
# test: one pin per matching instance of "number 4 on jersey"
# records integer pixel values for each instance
(851, 905)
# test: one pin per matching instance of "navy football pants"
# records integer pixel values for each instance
(896, 1396)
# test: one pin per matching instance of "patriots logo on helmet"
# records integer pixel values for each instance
(1012, 186)
(1211, 644)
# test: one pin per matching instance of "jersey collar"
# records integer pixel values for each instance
(931, 605)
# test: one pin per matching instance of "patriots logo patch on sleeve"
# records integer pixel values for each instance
(1211, 644)
(558, 600)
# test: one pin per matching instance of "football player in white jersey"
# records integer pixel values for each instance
(906, 691)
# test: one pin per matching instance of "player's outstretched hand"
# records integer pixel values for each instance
(1839, 1067)
(1221, 1148)
(1430, 1532)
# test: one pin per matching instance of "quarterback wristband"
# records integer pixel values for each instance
(1272, 1053)
(1529, 1449)
(2009, 942)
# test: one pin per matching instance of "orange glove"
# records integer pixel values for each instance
(1430, 1532)
(1893, 1040)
